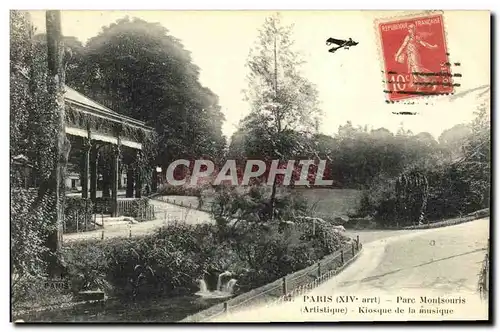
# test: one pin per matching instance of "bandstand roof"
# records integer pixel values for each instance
(87, 117)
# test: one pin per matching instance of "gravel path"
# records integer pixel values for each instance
(165, 213)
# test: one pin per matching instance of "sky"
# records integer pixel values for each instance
(349, 82)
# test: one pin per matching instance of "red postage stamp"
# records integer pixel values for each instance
(415, 57)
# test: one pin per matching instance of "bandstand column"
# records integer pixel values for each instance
(130, 181)
(94, 157)
(138, 177)
(87, 146)
(115, 174)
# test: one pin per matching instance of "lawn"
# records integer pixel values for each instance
(326, 202)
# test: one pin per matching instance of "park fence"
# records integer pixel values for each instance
(286, 288)
(82, 215)
(183, 202)
(139, 209)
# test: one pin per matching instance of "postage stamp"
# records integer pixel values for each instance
(415, 57)
(250, 178)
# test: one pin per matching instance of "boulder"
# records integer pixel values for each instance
(338, 228)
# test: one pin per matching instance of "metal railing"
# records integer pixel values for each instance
(132, 208)
(288, 287)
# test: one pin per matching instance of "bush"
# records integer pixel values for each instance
(78, 213)
(28, 250)
(171, 261)
(380, 201)
(252, 205)
(180, 190)
(452, 192)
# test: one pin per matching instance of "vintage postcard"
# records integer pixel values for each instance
(250, 166)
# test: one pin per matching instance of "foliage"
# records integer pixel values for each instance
(31, 292)
(174, 257)
(35, 125)
(167, 189)
(157, 83)
(171, 261)
(78, 214)
(232, 205)
(412, 191)
(28, 249)
(28, 229)
(284, 105)
(453, 188)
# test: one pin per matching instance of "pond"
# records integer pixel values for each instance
(113, 310)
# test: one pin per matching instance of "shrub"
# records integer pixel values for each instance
(167, 189)
(252, 205)
(171, 261)
(28, 250)
(168, 261)
(78, 213)
(452, 191)
(380, 201)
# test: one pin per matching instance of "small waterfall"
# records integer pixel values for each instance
(224, 289)
(219, 279)
(228, 288)
(203, 286)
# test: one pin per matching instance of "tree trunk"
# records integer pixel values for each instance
(272, 202)
(55, 87)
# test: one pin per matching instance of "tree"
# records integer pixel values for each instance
(54, 183)
(284, 105)
(453, 140)
(476, 163)
(37, 113)
(137, 69)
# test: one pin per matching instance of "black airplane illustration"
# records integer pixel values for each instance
(341, 43)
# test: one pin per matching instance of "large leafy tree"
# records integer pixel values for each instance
(284, 105)
(136, 68)
(476, 162)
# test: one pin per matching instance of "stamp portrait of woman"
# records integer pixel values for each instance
(409, 52)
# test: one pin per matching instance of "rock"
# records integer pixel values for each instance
(339, 228)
